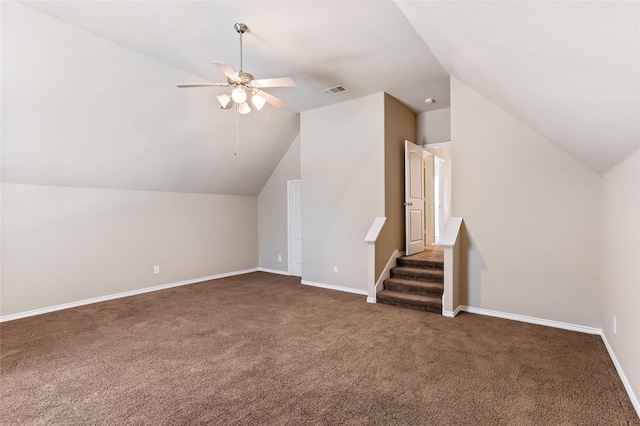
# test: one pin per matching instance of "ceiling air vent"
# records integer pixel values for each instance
(333, 90)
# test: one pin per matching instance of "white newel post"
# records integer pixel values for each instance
(371, 238)
(449, 242)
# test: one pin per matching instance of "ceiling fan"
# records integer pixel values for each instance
(247, 93)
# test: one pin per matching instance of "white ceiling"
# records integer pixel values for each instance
(569, 70)
(367, 46)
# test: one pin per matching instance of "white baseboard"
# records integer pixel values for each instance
(273, 271)
(623, 377)
(565, 326)
(452, 314)
(531, 320)
(46, 310)
(335, 287)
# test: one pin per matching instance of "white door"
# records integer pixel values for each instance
(414, 197)
(294, 228)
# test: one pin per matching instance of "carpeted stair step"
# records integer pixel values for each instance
(420, 263)
(421, 288)
(418, 274)
(411, 301)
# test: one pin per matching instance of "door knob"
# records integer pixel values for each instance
(408, 204)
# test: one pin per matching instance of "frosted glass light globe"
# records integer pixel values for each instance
(238, 95)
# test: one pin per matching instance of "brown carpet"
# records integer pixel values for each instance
(430, 254)
(263, 349)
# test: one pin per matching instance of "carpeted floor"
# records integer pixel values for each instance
(430, 253)
(263, 349)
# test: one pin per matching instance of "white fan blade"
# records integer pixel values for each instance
(226, 70)
(277, 102)
(203, 85)
(274, 82)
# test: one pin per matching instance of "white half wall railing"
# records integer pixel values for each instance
(450, 241)
(372, 236)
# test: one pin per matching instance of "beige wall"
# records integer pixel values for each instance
(272, 211)
(620, 275)
(81, 111)
(399, 125)
(62, 245)
(531, 217)
(342, 174)
(434, 126)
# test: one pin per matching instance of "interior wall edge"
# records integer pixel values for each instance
(70, 305)
(531, 320)
(563, 326)
(625, 381)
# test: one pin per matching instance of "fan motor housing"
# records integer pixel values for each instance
(245, 77)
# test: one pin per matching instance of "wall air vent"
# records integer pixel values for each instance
(333, 90)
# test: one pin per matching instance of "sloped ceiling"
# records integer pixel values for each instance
(89, 97)
(102, 110)
(569, 70)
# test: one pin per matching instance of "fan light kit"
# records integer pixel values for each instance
(246, 94)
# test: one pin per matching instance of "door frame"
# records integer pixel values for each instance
(413, 199)
(290, 236)
(438, 208)
(429, 219)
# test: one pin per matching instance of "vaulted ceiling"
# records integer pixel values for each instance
(569, 70)
(89, 97)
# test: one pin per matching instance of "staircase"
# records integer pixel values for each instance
(417, 282)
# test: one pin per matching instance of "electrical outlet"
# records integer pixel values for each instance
(156, 269)
(615, 325)
(279, 258)
(335, 269)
